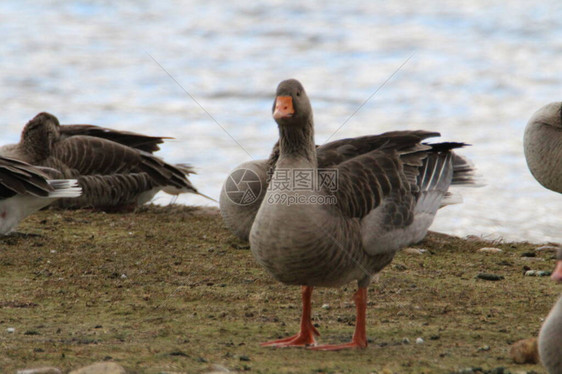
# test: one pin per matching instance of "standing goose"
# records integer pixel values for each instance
(384, 200)
(113, 176)
(550, 336)
(24, 189)
(543, 146)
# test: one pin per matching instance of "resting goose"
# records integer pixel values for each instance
(252, 177)
(543, 146)
(550, 336)
(384, 199)
(113, 176)
(242, 193)
(24, 189)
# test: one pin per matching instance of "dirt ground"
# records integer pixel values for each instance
(169, 289)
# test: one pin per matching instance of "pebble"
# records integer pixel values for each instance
(419, 341)
(525, 351)
(326, 306)
(547, 248)
(414, 251)
(537, 273)
(405, 341)
(218, 369)
(10, 330)
(489, 277)
(490, 250)
(101, 368)
(41, 370)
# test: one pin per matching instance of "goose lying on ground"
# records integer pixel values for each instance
(24, 189)
(543, 146)
(384, 199)
(550, 336)
(113, 176)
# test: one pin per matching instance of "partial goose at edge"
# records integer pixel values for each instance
(24, 189)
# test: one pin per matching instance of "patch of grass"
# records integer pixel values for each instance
(169, 289)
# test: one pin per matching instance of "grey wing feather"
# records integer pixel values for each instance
(365, 181)
(143, 142)
(17, 177)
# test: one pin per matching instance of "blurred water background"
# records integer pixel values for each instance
(473, 70)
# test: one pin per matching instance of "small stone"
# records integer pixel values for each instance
(547, 248)
(525, 351)
(405, 341)
(538, 273)
(326, 306)
(414, 251)
(490, 250)
(123, 276)
(419, 341)
(484, 348)
(41, 370)
(10, 330)
(218, 369)
(101, 368)
(490, 277)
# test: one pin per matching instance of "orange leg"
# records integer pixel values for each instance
(306, 335)
(359, 339)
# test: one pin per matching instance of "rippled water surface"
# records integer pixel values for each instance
(205, 72)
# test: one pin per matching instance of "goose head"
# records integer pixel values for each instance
(291, 106)
(39, 134)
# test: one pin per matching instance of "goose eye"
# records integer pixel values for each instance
(298, 93)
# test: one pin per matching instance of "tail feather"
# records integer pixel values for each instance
(464, 173)
(437, 172)
(64, 188)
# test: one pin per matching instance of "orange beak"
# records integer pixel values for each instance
(283, 107)
(557, 273)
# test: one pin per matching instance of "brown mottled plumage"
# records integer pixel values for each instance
(113, 176)
(388, 190)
